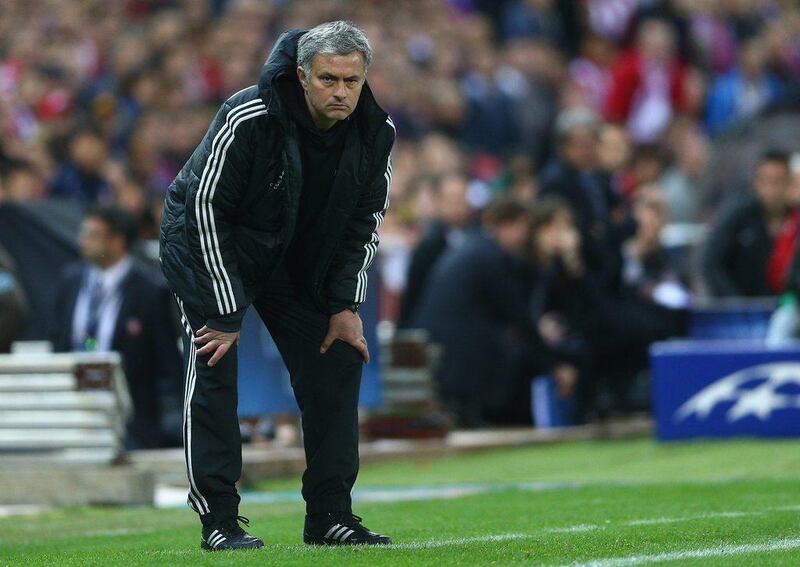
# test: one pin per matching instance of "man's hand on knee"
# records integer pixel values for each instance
(216, 342)
(346, 326)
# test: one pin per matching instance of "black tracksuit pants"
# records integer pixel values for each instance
(326, 387)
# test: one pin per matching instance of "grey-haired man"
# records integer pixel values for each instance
(279, 208)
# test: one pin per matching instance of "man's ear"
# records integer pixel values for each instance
(301, 76)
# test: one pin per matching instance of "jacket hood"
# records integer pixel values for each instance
(282, 61)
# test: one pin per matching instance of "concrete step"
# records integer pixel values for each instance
(38, 439)
(55, 485)
(50, 382)
(101, 400)
(35, 419)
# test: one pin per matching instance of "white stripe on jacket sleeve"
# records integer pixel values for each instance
(206, 224)
(371, 247)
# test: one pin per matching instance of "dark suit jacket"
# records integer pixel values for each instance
(738, 251)
(146, 337)
(423, 259)
(476, 306)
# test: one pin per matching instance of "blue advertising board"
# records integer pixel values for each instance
(264, 384)
(732, 318)
(725, 389)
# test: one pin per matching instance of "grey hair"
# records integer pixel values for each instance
(569, 120)
(333, 38)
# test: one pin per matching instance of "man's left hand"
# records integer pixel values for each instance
(346, 326)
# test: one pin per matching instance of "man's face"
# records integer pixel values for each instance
(333, 86)
(772, 184)
(657, 41)
(548, 238)
(89, 152)
(580, 148)
(96, 241)
(513, 234)
(454, 208)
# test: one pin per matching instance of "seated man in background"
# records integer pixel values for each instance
(447, 231)
(598, 210)
(749, 252)
(108, 303)
(476, 306)
(13, 310)
(650, 270)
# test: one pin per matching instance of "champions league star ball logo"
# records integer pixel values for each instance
(756, 391)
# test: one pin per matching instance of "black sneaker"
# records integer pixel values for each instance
(340, 529)
(228, 534)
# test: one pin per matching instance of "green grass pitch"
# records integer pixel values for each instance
(603, 504)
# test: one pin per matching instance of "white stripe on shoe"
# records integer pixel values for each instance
(339, 532)
(206, 225)
(334, 528)
(344, 537)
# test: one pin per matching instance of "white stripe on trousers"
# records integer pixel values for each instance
(206, 225)
(195, 497)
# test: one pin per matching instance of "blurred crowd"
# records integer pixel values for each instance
(596, 117)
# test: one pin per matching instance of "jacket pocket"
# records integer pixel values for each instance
(256, 252)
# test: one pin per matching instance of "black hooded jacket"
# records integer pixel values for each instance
(231, 213)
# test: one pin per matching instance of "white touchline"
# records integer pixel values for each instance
(574, 529)
(704, 553)
(704, 516)
(111, 532)
(457, 541)
(672, 519)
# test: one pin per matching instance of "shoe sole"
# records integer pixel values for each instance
(322, 541)
(205, 547)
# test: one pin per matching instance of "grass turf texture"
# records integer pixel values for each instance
(722, 503)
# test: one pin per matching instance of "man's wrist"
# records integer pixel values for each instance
(337, 307)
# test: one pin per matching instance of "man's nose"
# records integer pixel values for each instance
(341, 91)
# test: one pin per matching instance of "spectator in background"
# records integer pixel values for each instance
(648, 83)
(533, 74)
(749, 251)
(490, 126)
(681, 180)
(574, 177)
(13, 310)
(23, 182)
(743, 91)
(81, 178)
(109, 303)
(475, 306)
(649, 269)
(448, 231)
(647, 164)
(532, 18)
(560, 301)
(614, 153)
(591, 71)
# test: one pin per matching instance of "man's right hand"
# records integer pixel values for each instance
(216, 342)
